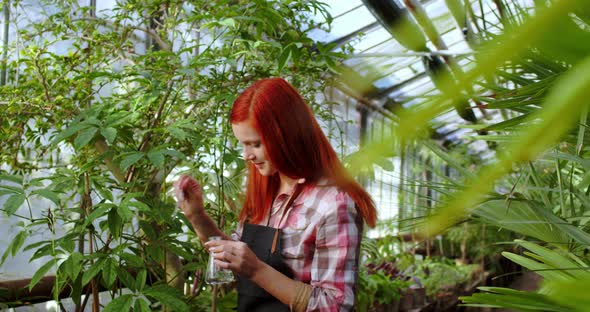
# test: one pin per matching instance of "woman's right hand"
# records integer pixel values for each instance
(189, 195)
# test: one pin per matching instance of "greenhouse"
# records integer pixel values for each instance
(294, 155)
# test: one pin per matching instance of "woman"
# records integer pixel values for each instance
(301, 223)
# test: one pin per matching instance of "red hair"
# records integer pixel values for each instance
(295, 144)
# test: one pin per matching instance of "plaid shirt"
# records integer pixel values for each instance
(321, 241)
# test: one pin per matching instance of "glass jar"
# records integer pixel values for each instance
(216, 275)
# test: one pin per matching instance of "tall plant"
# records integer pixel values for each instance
(537, 182)
(531, 63)
(546, 198)
(106, 105)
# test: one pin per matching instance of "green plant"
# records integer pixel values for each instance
(531, 65)
(564, 276)
(379, 287)
(437, 276)
(138, 94)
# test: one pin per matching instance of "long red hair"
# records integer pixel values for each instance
(295, 144)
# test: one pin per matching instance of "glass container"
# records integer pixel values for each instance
(216, 275)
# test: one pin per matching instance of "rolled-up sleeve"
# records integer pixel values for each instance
(334, 268)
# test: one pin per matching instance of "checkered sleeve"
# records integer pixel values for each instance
(334, 265)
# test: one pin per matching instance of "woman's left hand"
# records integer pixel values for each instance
(235, 256)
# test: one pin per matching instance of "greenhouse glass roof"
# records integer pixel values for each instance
(397, 73)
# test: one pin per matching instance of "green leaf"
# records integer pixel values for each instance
(156, 252)
(77, 290)
(572, 293)
(118, 118)
(68, 243)
(92, 271)
(514, 299)
(52, 196)
(147, 229)
(131, 159)
(13, 203)
(109, 272)
(73, 265)
(8, 192)
(553, 258)
(115, 223)
(542, 269)
(96, 74)
(141, 306)
(120, 304)
(46, 250)
(167, 296)
(124, 212)
(521, 218)
(11, 189)
(35, 245)
(174, 153)
(385, 164)
(177, 133)
(125, 278)
(68, 132)
(139, 206)
(140, 279)
(18, 242)
(229, 22)
(18, 179)
(132, 260)
(229, 158)
(284, 57)
(84, 137)
(104, 192)
(571, 230)
(12, 247)
(110, 134)
(41, 272)
(99, 211)
(156, 158)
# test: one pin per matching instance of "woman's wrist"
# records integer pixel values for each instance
(196, 217)
(294, 294)
(257, 275)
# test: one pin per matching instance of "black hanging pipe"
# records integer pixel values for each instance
(438, 72)
(399, 24)
(407, 32)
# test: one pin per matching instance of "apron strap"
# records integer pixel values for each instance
(287, 207)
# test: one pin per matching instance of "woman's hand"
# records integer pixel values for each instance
(189, 195)
(236, 256)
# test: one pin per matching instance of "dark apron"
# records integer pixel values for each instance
(260, 239)
(251, 297)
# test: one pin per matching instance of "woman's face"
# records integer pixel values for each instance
(253, 151)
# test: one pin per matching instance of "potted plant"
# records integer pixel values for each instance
(381, 286)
